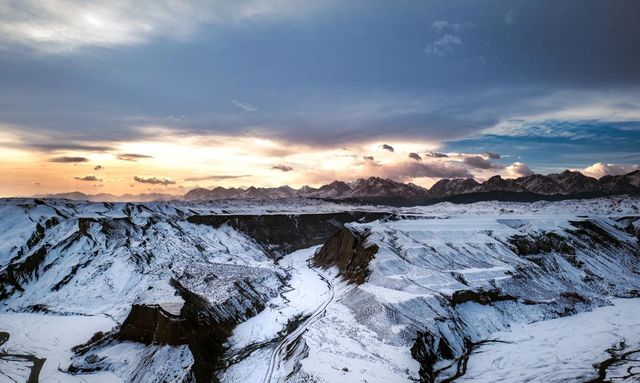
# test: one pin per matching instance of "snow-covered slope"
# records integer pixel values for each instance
(166, 273)
(456, 278)
(305, 290)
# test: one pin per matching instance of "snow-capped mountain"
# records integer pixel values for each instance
(381, 187)
(360, 188)
(376, 189)
(567, 183)
(449, 187)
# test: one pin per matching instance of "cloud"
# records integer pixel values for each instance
(478, 162)
(98, 167)
(518, 169)
(492, 155)
(447, 41)
(216, 177)
(154, 180)
(443, 25)
(371, 161)
(60, 26)
(69, 160)
(436, 155)
(132, 157)
(409, 170)
(444, 45)
(415, 156)
(387, 147)
(88, 178)
(600, 169)
(246, 106)
(284, 168)
(510, 17)
(53, 146)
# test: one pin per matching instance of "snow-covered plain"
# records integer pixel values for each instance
(542, 276)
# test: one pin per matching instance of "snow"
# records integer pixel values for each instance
(557, 350)
(161, 293)
(338, 341)
(304, 293)
(51, 337)
(425, 256)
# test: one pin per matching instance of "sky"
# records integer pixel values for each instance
(165, 96)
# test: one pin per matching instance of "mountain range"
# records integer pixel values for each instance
(537, 186)
(564, 184)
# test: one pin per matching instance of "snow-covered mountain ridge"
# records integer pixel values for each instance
(565, 183)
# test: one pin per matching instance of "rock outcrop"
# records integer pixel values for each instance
(349, 252)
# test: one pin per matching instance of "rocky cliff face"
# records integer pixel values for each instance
(349, 252)
(280, 234)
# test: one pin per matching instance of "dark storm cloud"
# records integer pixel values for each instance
(387, 147)
(216, 177)
(283, 168)
(492, 155)
(154, 180)
(132, 157)
(69, 160)
(415, 156)
(478, 162)
(88, 178)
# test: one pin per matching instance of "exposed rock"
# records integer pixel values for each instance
(195, 324)
(546, 243)
(151, 324)
(483, 297)
(280, 234)
(15, 273)
(424, 352)
(591, 232)
(349, 252)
